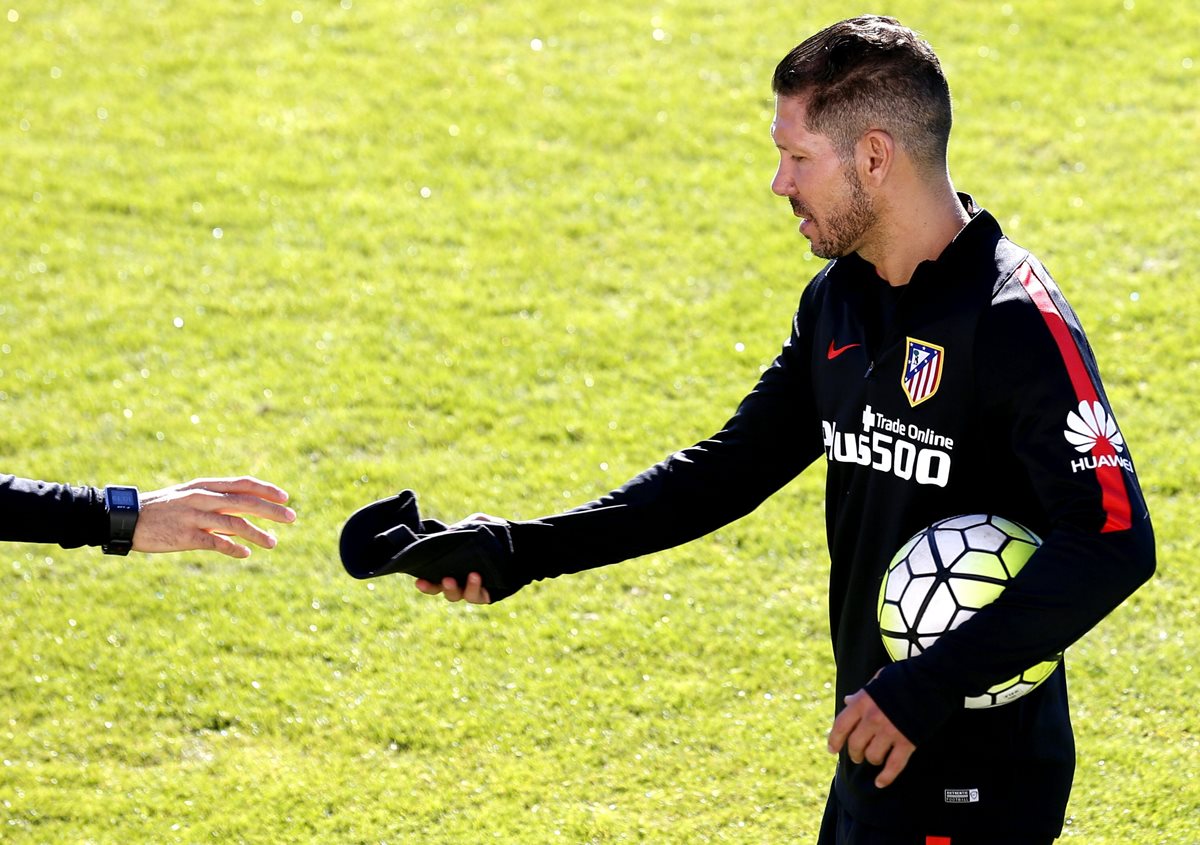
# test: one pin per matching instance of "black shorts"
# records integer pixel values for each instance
(839, 828)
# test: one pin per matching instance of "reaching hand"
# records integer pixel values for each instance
(202, 515)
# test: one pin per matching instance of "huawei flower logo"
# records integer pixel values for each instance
(1090, 426)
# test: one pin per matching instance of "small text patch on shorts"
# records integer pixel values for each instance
(962, 796)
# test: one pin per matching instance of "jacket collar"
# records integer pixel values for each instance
(975, 243)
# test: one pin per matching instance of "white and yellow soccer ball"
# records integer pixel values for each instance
(942, 576)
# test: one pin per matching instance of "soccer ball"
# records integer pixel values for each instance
(942, 576)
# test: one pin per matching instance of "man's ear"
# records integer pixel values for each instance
(875, 155)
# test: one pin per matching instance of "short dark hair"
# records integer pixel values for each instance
(866, 73)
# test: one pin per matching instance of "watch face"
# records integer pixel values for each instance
(122, 498)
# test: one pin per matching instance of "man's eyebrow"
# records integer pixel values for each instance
(796, 150)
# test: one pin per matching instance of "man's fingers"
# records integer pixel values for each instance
(856, 743)
(244, 484)
(876, 751)
(235, 526)
(476, 518)
(451, 590)
(897, 759)
(473, 591)
(429, 588)
(240, 503)
(842, 726)
(217, 543)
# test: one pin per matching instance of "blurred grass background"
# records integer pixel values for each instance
(509, 255)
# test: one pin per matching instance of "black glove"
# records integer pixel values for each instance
(389, 536)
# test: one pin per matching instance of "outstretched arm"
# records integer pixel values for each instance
(774, 434)
(202, 514)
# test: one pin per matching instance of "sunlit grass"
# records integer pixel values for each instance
(509, 255)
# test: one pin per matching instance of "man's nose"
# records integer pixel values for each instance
(783, 184)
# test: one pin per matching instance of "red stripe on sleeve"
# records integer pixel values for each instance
(1114, 496)
(937, 840)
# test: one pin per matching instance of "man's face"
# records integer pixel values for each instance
(837, 213)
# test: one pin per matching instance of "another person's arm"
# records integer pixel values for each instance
(203, 514)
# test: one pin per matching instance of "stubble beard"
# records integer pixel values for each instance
(843, 230)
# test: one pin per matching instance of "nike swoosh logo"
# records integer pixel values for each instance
(835, 351)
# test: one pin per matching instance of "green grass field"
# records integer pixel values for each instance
(509, 255)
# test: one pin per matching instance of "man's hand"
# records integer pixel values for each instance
(202, 515)
(473, 591)
(868, 734)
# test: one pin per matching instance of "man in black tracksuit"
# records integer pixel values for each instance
(939, 371)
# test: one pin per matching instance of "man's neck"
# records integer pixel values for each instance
(917, 229)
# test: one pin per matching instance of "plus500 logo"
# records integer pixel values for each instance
(888, 445)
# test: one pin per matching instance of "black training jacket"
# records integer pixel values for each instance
(970, 390)
(42, 512)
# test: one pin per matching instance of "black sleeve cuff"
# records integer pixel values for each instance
(916, 705)
(43, 512)
(93, 520)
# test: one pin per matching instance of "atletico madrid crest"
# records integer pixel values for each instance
(923, 364)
